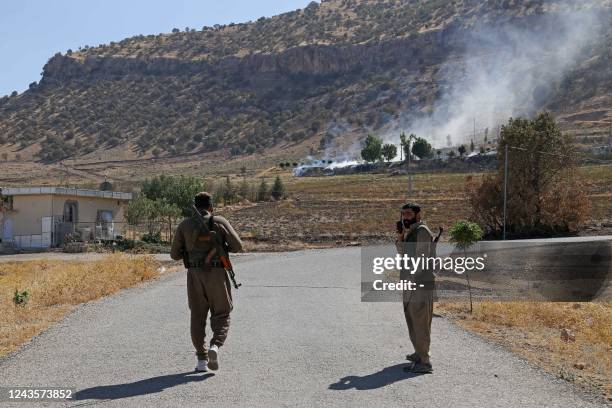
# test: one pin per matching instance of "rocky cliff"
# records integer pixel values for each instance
(183, 92)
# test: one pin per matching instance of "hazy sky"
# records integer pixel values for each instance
(32, 31)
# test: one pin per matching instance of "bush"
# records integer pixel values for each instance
(278, 189)
(21, 298)
(154, 238)
(544, 196)
(465, 233)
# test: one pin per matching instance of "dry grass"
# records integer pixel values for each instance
(533, 330)
(55, 287)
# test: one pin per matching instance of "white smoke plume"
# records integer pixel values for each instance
(506, 71)
(503, 70)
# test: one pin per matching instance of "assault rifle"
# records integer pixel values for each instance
(218, 247)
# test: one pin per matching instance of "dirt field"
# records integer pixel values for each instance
(363, 208)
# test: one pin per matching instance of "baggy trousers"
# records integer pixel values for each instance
(208, 289)
(418, 310)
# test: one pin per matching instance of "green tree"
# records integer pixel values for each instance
(464, 234)
(143, 211)
(228, 192)
(545, 194)
(138, 210)
(371, 151)
(245, 189)
(153, 214)
(389, 151)
(407, 142)
(167, 213)
(278, 189)
(461, 150)
(421, 148)
(177, 190)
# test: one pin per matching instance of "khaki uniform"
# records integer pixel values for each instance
(208, 287)
(418, 304)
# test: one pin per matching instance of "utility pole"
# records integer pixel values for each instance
(474, 137)
(505, 186)
(409, 140)
(409, 171)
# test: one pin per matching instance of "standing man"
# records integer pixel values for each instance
(208, 286)
(416, 240)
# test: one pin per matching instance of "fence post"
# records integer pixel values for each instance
(505, 187)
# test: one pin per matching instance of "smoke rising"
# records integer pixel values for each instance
(507, 70)
(497, 70)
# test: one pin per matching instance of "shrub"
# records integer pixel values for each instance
(21, 298)
(544, 195)
(278, 189)
(152, 238)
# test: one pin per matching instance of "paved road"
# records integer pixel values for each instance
(300, 337)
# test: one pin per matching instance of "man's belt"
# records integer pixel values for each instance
(202, 264)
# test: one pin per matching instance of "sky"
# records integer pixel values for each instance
(31, 31)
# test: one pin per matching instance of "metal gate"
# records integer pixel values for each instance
(46, 230)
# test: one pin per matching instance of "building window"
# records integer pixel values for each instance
(105, 228)
(71, 211)
(7, 203)
(105, 216)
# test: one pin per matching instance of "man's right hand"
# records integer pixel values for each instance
(400, 227)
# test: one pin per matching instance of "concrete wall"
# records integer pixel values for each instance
(28, 212)
(88, 209)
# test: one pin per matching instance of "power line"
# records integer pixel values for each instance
(556, 154)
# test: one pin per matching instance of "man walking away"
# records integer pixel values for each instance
(416, 240)
(208, 286)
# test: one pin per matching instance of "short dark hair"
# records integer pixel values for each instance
(413, 206)
(203, 200)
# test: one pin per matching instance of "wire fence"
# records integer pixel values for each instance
(54, 233)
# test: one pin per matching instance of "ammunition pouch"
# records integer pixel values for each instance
(202, 264)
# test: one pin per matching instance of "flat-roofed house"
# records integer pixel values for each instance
(45, 217)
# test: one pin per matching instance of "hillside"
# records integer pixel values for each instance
(317, 80)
